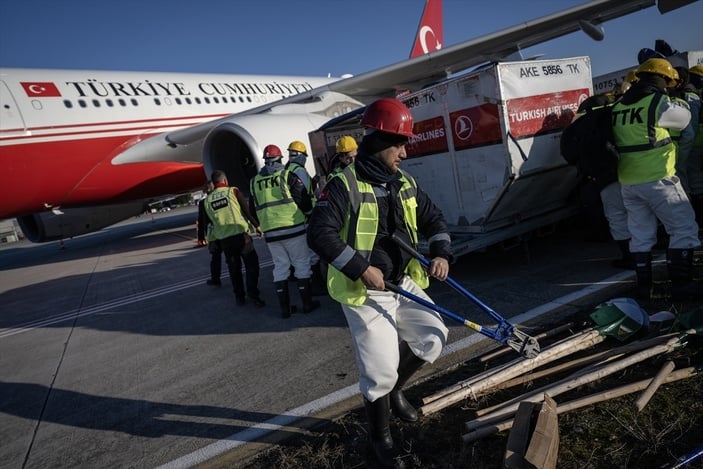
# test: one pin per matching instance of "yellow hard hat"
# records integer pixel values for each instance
(631, 76)
(696, 70)
(660, 67)
(346, 144)
(298, 146)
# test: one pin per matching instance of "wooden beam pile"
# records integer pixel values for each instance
(584, 370)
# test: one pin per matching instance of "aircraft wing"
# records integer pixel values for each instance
(416, 73)
(437, 65)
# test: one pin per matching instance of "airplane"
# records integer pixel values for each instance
(97, 144)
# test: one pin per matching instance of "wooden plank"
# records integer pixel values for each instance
(519, 436)
(544, 445)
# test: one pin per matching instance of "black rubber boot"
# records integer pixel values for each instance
(408, 365)
(626, 262)
(643, 269)
(380, 443)
(284, 299)
(319, 288)
(679, 263)
(306, 295)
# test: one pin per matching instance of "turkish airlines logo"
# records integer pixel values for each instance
(424, 32)
(40, 90)
(463, 128)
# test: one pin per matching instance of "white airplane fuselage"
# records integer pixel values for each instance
(71, 138)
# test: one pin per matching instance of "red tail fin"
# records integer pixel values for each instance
(429, 33)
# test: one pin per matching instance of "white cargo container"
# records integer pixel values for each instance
(487, 147)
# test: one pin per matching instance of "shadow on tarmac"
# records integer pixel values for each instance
(135, 416)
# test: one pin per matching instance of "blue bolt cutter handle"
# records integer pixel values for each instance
(505, 333)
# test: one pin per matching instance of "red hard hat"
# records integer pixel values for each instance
(389, 115)
(272, 151)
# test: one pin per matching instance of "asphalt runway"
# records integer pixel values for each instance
(115, 353)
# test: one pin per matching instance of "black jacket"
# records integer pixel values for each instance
(203, 220)
(329, 214)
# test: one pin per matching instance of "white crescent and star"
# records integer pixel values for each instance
(424, 32)
(36, 89)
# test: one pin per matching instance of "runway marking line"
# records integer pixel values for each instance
(127, 300)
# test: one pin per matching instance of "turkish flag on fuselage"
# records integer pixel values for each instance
(40, 90)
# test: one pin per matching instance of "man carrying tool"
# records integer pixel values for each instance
(350, 228)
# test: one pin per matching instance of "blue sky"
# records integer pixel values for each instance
(296, 37)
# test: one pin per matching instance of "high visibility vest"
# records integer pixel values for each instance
(646, 151)
(210, 233)
(297, 168)
(275, 207)
(360, 229)
(222, 207)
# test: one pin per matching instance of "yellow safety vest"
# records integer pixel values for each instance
(222, 207)
(294, 168)
(646, 151)
(275, 207)
(210, 233)
(360, 229)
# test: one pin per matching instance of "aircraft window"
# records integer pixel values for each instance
(197, 100)
(109, 103)
(134, 102)
(189, 101)
(122, 102)
(207, 100)
(241, 100)
(167, 101)
(67, 103)
(178, 100)
(232, 99)
(157, 101)
(96, 103)
(249, 98)
(216, 99)
(81, 103)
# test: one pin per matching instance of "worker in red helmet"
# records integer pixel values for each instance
(281, 204)
(350, 228)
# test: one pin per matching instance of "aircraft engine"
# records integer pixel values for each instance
(49, 226)
(236, 145)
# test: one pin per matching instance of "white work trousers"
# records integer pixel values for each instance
(380, 324)
(289, 251)
(665, 200)
(614, 211)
